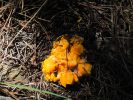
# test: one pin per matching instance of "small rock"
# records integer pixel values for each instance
(5, 98)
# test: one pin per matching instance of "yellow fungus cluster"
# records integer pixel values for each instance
(65, 64)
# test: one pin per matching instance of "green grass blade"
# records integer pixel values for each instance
(32, 89)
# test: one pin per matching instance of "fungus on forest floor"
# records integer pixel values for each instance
(65, 63)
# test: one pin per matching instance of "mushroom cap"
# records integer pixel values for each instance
(66, 64)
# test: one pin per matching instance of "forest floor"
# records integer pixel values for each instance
(28, 29)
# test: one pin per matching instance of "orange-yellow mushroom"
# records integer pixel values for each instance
(77, 49)
(72, 60)
(88, 68)
(66, 64)
(80, 70)
(49, 65)
(66, 78)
